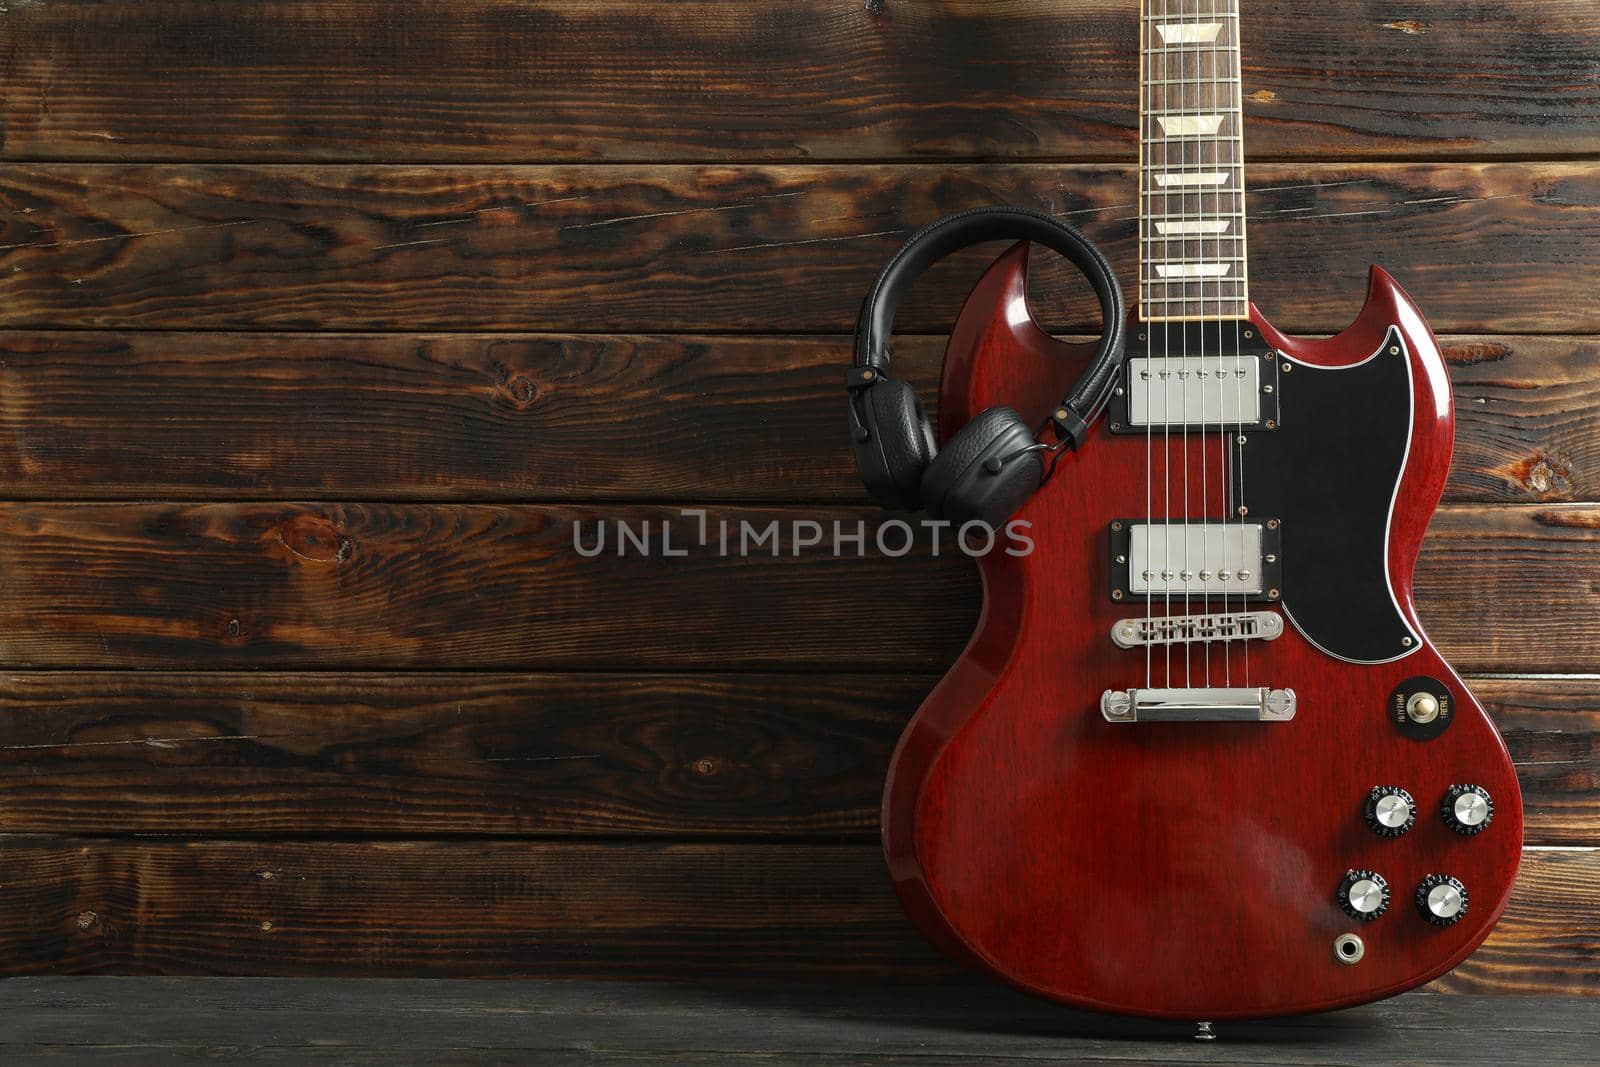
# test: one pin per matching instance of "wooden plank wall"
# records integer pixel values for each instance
(320, 321)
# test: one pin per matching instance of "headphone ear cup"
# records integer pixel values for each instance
(900, 444)
(960, 487)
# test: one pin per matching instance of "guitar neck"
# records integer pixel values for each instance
(1192, 263)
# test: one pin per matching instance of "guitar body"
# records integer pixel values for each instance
(1192, 869)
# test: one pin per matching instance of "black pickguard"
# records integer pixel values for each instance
(1328, 473)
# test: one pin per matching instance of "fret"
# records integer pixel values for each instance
(1195, 81)
(1199, 282)
(1195, 302)
(1241, 313)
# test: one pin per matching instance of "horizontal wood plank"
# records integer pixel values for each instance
(756, 755)
(1552, 727)
(450, 586)
(106, 415)
(1504, 248)
(489, 80)
(771, 755)
(453, 586)
(73, 905)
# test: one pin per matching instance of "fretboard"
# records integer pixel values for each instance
(1191, 176)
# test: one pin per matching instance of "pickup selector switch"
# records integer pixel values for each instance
(1467, 809)
(1441, 899)
(1390, 811)
(1422, 707)
(1363, 895)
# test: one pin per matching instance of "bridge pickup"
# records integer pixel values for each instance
(1187, 629)
(1196, 559)
(1198, 705)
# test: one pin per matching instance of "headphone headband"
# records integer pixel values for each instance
(977, 226)
(995, 462)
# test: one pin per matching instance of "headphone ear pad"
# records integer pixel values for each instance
(900, 445)
(959, 487)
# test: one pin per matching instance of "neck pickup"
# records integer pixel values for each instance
(1211, 375)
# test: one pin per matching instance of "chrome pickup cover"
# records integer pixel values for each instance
(1217, 391)
(1194, 559)
(1198, 705)
(1184, 629)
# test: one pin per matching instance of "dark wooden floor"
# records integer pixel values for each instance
(138, 1020)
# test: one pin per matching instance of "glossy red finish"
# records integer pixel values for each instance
(1184, 870)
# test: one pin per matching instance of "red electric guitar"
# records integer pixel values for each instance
(1200, 759)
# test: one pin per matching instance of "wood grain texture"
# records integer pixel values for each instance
(1503, 248)
(441, 586)
(94, 415)
(488, 80)
(480, 586)
(776, 755)
(74, 905)
(758, 755)
(1552, 727)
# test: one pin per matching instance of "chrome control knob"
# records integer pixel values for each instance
(1441, 899)
(1363, 895)
(1390, 811)
(1467, 809)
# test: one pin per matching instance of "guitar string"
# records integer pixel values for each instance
(1236, 107)
(1147, 208)
(1165, 573)
(1208, 571)
(1201, 117)
(1185, 572)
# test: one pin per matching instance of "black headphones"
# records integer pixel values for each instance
(995, 462)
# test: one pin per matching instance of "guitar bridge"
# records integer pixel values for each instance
(1187, 629)
(1198, 705)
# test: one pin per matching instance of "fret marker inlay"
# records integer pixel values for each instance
(1193, 270)
(1176, 229)
(1189, 33)
(1190, 125)
(1202, 177)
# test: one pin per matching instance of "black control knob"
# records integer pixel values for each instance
(1390, 811)
(1467, 809)
(1441, 899)
(1363, 895)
